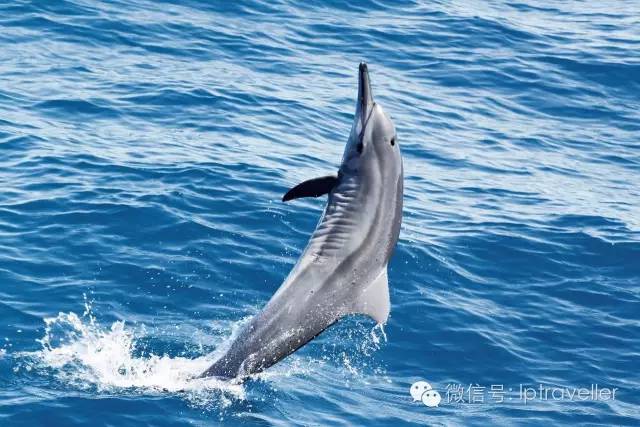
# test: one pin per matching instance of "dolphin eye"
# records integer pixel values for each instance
(359, 147)
(393, 141)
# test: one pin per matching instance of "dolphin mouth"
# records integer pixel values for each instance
(365, 96)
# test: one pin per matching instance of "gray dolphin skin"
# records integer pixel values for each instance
(343, 269)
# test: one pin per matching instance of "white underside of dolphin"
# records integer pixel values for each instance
(343, 269)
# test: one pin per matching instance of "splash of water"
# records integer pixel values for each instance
(105, 357)
(81, 353)
(375, 339)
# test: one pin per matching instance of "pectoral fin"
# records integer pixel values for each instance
(374, 300)
(312, 188)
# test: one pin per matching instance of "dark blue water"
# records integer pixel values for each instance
(144, 148)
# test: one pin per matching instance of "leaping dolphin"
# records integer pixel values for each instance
(343, 270)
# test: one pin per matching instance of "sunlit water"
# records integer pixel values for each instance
(144, 148)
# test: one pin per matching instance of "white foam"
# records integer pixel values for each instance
(81, 353)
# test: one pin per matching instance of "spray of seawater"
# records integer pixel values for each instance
(81, 353)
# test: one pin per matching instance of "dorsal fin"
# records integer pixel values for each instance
(374, 299)
(312, 188)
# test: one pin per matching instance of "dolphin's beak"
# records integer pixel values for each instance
(365, 97)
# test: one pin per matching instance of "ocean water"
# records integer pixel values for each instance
(144, 148)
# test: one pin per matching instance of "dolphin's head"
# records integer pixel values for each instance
(373, 141)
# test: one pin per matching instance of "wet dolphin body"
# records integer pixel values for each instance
(343, 270)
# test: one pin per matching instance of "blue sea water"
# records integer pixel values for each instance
(144, 148)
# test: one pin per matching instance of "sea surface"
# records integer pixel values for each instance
(144, 149)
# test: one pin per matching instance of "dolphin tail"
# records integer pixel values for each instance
(373, 302)
(220, 369)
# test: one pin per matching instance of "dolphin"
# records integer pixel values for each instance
(343, 270)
